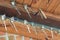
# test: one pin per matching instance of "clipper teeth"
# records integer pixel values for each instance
(12, 24)
(42, 14)
(26, 8)
(52, 33)
(26, 23)
(14, 6)
(13, 3)
(12, 19)
(3, 17)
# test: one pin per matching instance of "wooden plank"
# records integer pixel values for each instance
(37, 4)
(52, 16)
(51, 5)
(26, 38)
(43, 4)
(40, 35)
(18, 38)
(56, 5)
(57, 10)
(20, 31)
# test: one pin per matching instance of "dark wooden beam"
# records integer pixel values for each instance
(52, 20)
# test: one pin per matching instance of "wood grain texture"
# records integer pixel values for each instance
(53, 15)
(22, 30)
